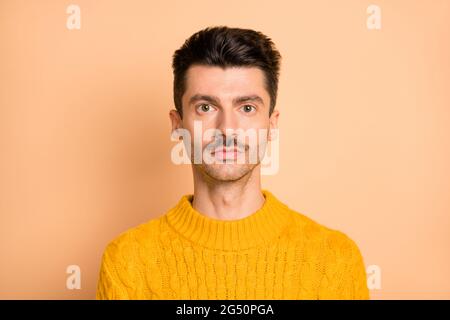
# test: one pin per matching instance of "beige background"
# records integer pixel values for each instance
(85, 134)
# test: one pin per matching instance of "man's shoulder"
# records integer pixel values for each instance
(130, 241)
(312, 231)
(336, 256)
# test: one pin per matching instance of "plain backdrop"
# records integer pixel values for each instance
(85, 133)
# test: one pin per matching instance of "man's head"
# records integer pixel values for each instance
(226, 79)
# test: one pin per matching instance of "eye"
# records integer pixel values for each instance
(204, 108)
(248, 108)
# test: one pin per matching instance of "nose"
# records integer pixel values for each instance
(227, 120)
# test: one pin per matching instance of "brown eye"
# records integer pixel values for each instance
(248, 108)
(205, 108)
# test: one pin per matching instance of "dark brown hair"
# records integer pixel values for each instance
(227, 47)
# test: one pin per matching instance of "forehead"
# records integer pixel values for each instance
(225, 83)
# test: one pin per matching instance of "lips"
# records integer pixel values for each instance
(226, 153)
(226, 150)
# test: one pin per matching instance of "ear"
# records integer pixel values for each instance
(175, 119)
(273, 121)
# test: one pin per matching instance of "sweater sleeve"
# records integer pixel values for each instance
(108, 286)
(345, 275)
(355, 281)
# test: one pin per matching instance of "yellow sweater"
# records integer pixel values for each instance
(275, 253)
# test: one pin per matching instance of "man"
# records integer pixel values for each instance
(230, 239)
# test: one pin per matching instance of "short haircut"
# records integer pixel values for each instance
(227, 47)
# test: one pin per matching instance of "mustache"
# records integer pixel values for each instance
(227, 142)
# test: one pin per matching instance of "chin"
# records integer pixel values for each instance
(227, 172)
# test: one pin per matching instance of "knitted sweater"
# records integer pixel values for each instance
(274, 253)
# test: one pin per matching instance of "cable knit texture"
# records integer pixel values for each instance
(274, 253)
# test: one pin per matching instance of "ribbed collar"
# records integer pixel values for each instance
(260, 227)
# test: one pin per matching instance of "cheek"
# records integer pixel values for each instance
(257, 122)
(201, 133)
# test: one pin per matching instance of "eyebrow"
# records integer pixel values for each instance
(215, 100)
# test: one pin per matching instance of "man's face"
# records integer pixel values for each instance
(225, 101)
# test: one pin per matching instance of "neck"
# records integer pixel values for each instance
(260, 227)
(229, 200)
